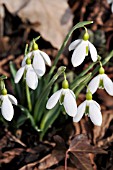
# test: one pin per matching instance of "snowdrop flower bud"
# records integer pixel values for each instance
(6, 106)
(81, 48)
(111, 2)
(65, 97)
(90, 108)
(101, 81)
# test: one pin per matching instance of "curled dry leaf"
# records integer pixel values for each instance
(79, 149)
(52, 19)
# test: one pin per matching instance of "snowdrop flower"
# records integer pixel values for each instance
(111, 2)
(81, 48)
(39, 58)
(6, 106)
(65, 97)
(90, 108)
(31, 74)
(101, 81)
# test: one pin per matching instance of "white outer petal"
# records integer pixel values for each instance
(12, 99)
(7, 109)
(95, 114)
(31, 78)
(74, 44)
(38, 63)
(108, 84)
(80, 112)
(53, 99)
(45, 57)
(94, 84)
(112, 7)
(19, 74)
(109, 1)
(70, 103)
(29, 55)
(79, 54)
(93, 51)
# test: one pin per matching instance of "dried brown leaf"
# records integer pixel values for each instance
(81, 161)
(51, 18)
(81, 144)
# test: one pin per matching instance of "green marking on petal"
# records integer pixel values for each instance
(101, 84)
(87, 49)
(87, 110)
(61, 99)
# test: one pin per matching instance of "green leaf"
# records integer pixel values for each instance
(48, 119)
(3, 77)
(82, 85)
(79, 25)
(78, 82)
(28, 116)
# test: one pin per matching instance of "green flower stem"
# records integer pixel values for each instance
(28, 98)
(31, 44)
(79, 25)
(26, 48)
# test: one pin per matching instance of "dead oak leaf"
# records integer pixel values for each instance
(52, 19)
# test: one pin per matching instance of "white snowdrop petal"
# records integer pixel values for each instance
(39, 64)
(7, 109)
(94, 84)
(53, 99)
(93, 52)
(29, 55)
(109, 1)
(45, 57)
(31, 78)
(80, 112)
(95, 114)
(19, 74)
(108, 84)
(79, 54)
(74, 44)
(70, 104)
(72, 93)
(96, 104)
(12, 99)
(112, 7)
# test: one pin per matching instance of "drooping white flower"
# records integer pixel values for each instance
(101, 81)
(6, 106)
(111, 2)
(39, 58)
(31, 75)
(66, 97)
(90, 108)
(81, 48)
